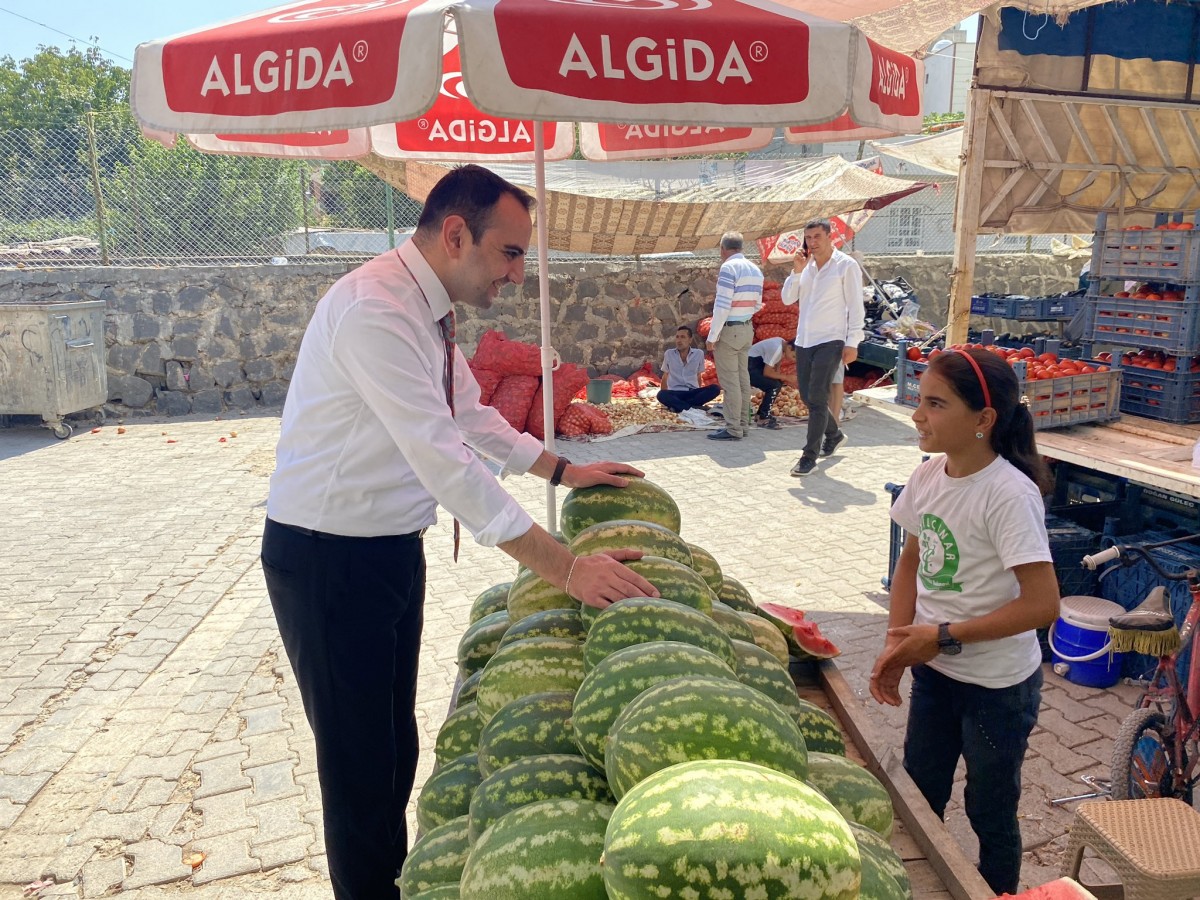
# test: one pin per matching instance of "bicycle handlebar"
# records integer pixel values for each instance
(1095, 560)
(1131, 553)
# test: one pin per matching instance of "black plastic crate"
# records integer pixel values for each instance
(1155, 394)
(1069, 543)
(1163, 510)
(1075, 484)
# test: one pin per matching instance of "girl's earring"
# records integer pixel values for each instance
(979, 435)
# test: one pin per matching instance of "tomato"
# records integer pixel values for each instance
(1048, 358)
(914, 353)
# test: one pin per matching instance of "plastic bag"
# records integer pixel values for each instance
(568, 379)
(488, 380)
(513, 397)
(498, 354)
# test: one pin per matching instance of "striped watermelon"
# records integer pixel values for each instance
(440, 892)
(548, 850)
(639, 620)
(731, 623)
(531, 593)
(492, 600)
(534, 778)
(620, 677)
(459, 734)
(529, 667)
(532, 726)
(856, 793)
(698, 717)
(620, 534)
(883, 856)
(820, 729)
(768, 637)
(480, 641)
(721, 828)
(762, 671)
(436, 858)
(734, 594)
(468, 689)
(559, 623)
(447, 793)
(674, 581)
(877, 884)
(707, 567)
(641, 499)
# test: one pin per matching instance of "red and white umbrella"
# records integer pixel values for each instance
(337, 67)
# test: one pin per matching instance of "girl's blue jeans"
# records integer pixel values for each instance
(989, 728)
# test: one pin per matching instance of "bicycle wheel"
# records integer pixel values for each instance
(1141, 763)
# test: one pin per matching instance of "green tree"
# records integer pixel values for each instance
(352, 197)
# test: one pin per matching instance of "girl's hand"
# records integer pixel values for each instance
(885, 677)
(916, 644)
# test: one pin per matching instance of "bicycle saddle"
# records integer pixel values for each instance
(1152, 614)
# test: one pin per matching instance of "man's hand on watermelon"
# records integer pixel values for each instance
(599, 473)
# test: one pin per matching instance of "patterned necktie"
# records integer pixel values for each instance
(446, 323)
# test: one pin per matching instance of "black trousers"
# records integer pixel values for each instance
(769, 386)
(815, 368)
(350, 613)
(678, 401)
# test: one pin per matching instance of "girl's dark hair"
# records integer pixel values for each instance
(1012, 435)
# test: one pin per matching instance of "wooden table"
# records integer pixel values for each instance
(1145, 451)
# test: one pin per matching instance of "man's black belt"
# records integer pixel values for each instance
(329, 536)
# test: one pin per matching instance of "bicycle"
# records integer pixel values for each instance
(1156, 749)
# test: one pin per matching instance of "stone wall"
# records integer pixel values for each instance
(206, 340)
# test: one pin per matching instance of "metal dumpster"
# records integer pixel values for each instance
(52, 359)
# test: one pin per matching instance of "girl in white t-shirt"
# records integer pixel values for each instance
(973, 582)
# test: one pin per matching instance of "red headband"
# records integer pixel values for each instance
(987, 395)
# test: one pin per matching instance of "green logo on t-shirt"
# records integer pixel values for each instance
(939, 555)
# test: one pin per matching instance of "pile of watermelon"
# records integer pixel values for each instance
(653, 749)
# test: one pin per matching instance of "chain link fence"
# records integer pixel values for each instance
(99, 193)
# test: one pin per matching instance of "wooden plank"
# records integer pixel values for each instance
(942, 852)
(966, 215)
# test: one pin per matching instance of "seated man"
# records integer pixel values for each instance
(765, 358)
(681, 369)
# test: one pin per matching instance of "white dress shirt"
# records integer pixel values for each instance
(831, 301)
(367, 446)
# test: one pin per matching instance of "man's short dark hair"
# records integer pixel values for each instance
(471, 192)
(823, 224)
(686, 328)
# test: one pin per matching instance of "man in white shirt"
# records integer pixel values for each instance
(377, 431)
(828, 287)
(739, 297)
(682, 368)
(765, 359)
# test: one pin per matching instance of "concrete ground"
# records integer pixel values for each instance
(152, 741)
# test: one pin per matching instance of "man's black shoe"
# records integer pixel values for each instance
(723, 435)
(803, 467)
(832, 443)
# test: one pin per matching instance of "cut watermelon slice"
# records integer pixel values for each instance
(1062, 889)
(804, 638)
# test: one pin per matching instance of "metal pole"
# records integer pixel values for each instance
(100, 225)
(391, 217)
(548, 355)
(304, 205)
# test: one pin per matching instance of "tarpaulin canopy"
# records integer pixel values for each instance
(937, 152)
(586, 212)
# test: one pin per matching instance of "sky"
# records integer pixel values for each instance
(117, 26)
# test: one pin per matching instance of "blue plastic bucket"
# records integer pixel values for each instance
(1079, 642)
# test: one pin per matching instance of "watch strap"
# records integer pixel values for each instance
(559, 468)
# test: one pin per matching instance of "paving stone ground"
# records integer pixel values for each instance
(149, 719)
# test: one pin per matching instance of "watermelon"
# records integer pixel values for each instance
(707, 567)
(731, 623)
(480, 641)
(621, 534)
(532, 726)
(762, 671)
(1059, 889)
(699, 717)
(768, 637)
(447, 793)
(468, 689)
(803, 637)
(531, 779)
(559, 623)
(528, 667)
(436, 858)
(877, 883)
(884, 857)
(549, 850)
(722, 828)
(639, 620)
(492, 600)
(623, 675)
(641, 500)
(531, 593)
(734, 594)
(439, 892)
(820, 729)
(674, 581)
(856, 793)
(459, 734)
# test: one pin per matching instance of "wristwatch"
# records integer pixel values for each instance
(559, 468)
(948, 645)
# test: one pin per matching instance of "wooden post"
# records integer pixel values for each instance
(966, 215)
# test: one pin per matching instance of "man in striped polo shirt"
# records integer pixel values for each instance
(739, 296)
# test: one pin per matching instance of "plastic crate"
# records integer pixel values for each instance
(981, 306)
(1069, 543)
(896, 536)
(1076, 485)
(1170, 255)
(1169, 325)
(1155, 394)
(1166, 511)
(1061, 307)
(1053, 403)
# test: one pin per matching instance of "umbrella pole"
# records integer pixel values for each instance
(548, 354)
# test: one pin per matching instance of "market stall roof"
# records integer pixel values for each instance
(587, 212)
(937, 152)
